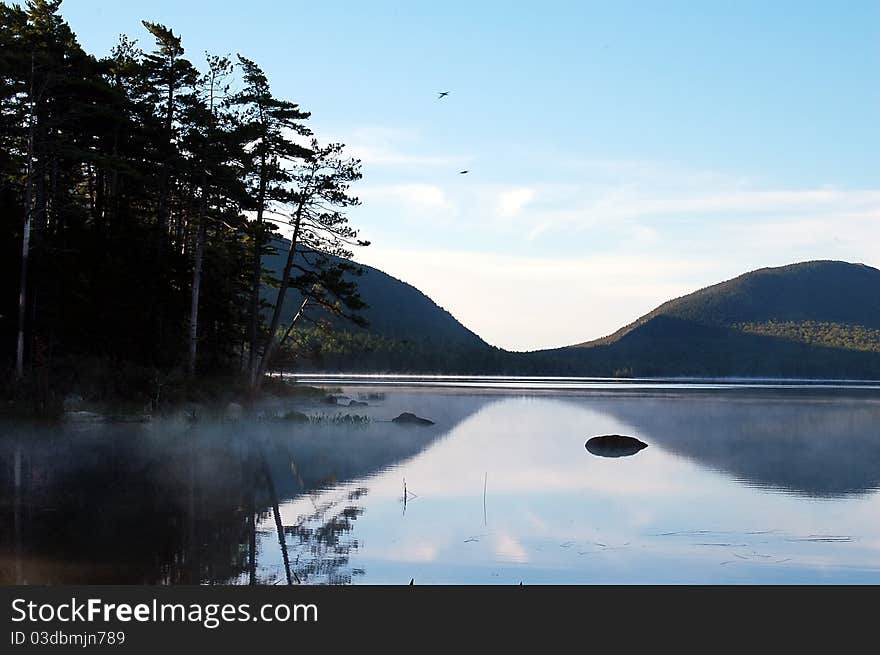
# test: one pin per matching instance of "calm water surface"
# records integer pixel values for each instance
(756, 483)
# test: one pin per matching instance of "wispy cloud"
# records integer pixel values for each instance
(650, 200)
(409, 196)
(512, 202)
(394, 147)
(646, 203)
(392, 210)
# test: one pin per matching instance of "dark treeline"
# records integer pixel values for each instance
(138, 194)
(323, 349)
(664, 348)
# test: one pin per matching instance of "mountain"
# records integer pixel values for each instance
(406, 329)
(817, 319)
(813, 319)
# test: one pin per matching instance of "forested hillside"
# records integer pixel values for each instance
(393, 308)
(808, 320)
(813, 319)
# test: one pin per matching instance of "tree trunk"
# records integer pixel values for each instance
(299, 313)
(200, 252)
(255, 281)
(164, 188)
(26, 237)
(197, 286)
(271, 341)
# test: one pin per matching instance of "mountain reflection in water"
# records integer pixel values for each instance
(823, 447)
(738, 485)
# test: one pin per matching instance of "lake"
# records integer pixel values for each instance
(753, 482)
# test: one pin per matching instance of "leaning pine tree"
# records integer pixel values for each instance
(319, 243)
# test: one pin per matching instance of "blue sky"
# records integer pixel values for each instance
(619, 153)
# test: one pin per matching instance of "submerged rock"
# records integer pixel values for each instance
(357, 403)
(408, 418)
(614, 445)
(295, 417)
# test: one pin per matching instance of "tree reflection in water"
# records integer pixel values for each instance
(320, 554)
(132, 509)
(321, 550)
(178, 502)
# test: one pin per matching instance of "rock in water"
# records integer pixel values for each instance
(295, 417)
(408, 418)
(356, 403)
(614, 445)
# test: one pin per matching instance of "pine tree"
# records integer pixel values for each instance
(320, 235)
(270, 123)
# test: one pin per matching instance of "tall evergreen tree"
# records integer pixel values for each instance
(271, 124)
(209, 156)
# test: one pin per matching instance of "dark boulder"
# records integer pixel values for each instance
(408, 418)
(614, 445)
(357, 403)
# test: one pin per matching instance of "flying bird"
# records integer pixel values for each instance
(462, 172)
(442, 95)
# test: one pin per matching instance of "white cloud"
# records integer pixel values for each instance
(390, 147)
(384, 155)
(647, 208)
(412, 197)
(512, 202)
(643, 204)
(537, 231)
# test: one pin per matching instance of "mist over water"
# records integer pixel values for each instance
(736, 485)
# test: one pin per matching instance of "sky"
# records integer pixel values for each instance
(619, 154)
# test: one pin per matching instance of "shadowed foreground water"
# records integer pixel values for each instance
(736, 485)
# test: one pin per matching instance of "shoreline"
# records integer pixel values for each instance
(213, 395)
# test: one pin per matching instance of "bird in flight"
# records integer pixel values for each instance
(462, 172)
(442, 95)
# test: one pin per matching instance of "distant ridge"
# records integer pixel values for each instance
(811, 319)
(815, 319)
(824, 291)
